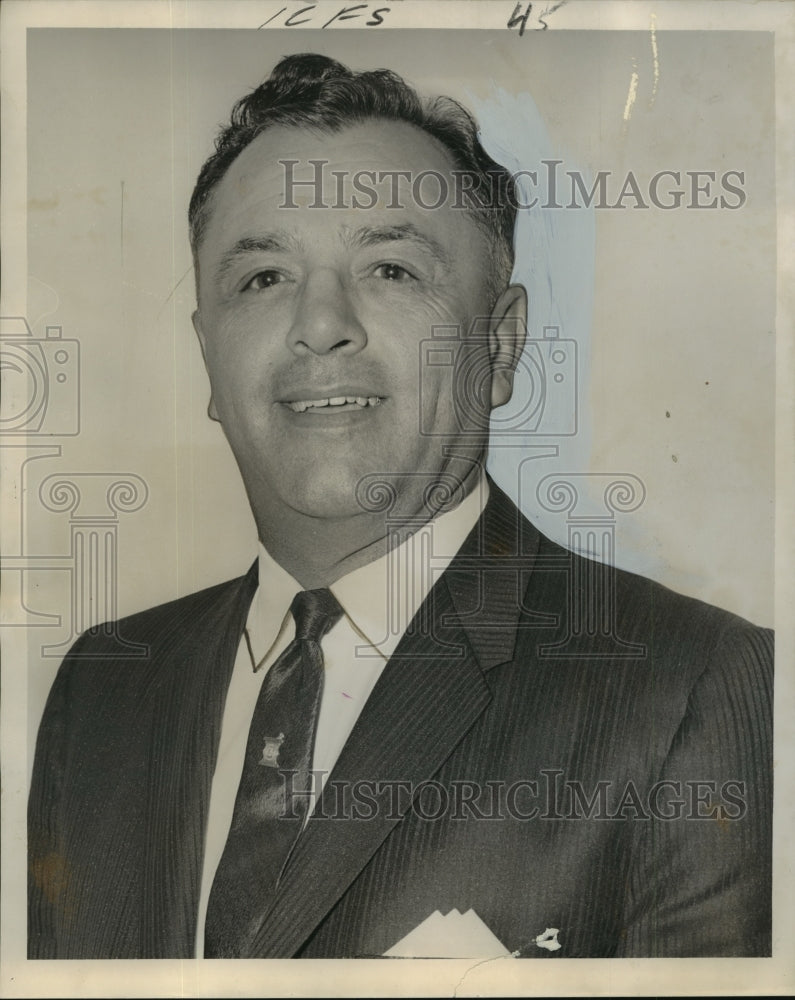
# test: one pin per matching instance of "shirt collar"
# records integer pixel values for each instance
(380, 598)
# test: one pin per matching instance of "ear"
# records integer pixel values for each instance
(212, 412)
(507, 333)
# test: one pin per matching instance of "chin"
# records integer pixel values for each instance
(327, 497)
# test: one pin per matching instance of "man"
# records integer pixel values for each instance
(390, 718)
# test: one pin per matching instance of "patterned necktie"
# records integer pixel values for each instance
(272, 798)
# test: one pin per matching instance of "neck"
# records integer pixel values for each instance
(317, 551)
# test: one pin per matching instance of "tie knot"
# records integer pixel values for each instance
(315, 612)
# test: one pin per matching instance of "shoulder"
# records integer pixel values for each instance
(637, 681)
(135, 656)
(121, 670)
(195, 615)
(657, 656)
(609, 637)
(576, 609)
(639, 604)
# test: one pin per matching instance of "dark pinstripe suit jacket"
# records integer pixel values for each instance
(587, 750)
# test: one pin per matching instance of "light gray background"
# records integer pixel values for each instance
(673, 311)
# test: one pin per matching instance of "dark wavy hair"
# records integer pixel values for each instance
(319, 93)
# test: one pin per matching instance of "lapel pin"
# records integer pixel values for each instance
(270, 751)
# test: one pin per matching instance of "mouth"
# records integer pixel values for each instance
(333, 404)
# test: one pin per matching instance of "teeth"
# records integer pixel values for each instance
(300, 405)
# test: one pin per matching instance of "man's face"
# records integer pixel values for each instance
(312, 319)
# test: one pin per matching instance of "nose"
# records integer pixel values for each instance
(325, 319)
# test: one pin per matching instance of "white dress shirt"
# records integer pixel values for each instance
(379, 601)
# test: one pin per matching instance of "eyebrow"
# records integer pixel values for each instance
(369, 236)
(273, 242)
(280, 241)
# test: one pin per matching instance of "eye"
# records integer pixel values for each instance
(393, 272)
(263, 279)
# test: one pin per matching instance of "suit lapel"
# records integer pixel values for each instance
(489, 577)
(428, 697)
(193, 679)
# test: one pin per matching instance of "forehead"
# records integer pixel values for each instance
(274, 182)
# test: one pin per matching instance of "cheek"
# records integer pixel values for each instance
(413, 307)
(420, 313)
(249, 323)
(239, 354)
(408, 339)
(435, 410)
